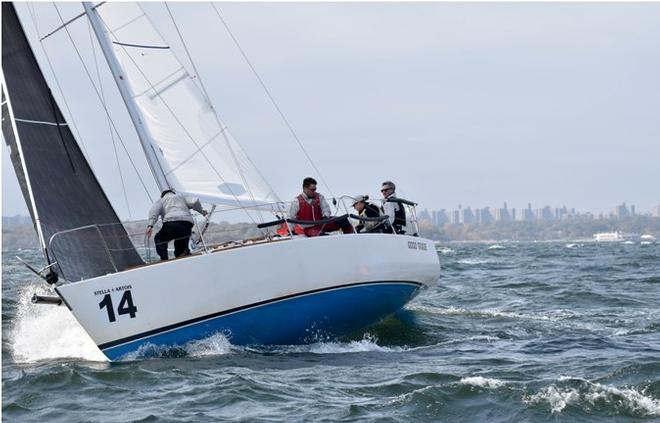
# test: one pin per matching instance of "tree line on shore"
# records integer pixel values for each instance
(24, 236)
(569, 229)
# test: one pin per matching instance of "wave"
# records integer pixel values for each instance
(445, 250)
(474, 261)
(574, 245)
(553, 316)
(581, 392)
(369, 343)
(216, 344)
(482, 382)
(219, 344)
(496, 247)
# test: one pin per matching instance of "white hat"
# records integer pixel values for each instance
(360, 199)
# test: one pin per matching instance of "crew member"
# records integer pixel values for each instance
(366, 209)
(394, 210)
(174, 209)
(310, 205)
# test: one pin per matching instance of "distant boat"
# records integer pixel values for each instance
(617, 236)
(609, 237)
(647, 239)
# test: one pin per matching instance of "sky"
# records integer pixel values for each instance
(458, 103)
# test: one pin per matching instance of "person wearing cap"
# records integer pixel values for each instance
(311, 206)
(394, 210)
(174, 209)
(366, 209)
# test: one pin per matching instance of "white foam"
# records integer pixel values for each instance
(552, 316)
(496, 247)
(368, 343)
(217, 344)
(591, 393)
(556, 397)
(482, 382)
(445, 250)
(628, 397)
(474, 261)
(46, 332)
(363, 345)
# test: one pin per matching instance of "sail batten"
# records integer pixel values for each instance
(60, 188)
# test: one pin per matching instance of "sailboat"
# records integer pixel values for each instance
(271, 290)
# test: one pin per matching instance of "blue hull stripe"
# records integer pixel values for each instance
(292, 319)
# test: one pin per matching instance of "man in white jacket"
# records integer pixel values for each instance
(394, 209)
(174, 209)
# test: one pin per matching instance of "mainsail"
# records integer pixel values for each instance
(58, 184)
(193, 147)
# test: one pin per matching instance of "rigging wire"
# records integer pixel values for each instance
(215, 114)
(176, 119)
(272, 99)
(89, 76)
(30, 7)
(112, 136)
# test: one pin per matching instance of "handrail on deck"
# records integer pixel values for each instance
(302, 222)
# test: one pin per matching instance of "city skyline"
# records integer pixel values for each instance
(488, 214)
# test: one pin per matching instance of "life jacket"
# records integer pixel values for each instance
(307, 211)
(399, 224)
(400, 217)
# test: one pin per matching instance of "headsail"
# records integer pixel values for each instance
(59, 187)
(194, 149)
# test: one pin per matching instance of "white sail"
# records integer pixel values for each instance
(194, 149)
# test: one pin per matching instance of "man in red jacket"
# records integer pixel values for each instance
(311, 206)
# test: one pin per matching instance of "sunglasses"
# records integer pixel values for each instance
(385, 189)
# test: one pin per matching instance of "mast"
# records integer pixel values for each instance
(127, 95)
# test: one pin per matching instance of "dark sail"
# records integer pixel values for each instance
(58, 184)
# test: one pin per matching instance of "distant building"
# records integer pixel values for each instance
(486, 215)
(620, 211)
(544, 214)
(439, 217)
(502, 215)
(526, 214)
(424, 215)
(466, 216)
(656, 211)
(454, 217)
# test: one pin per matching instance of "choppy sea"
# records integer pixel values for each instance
(513, 332)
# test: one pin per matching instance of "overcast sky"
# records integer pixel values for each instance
(472, 104)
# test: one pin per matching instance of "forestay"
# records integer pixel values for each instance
(193, 147)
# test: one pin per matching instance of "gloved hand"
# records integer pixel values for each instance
(204, 212)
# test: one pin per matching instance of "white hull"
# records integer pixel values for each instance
(168, 294)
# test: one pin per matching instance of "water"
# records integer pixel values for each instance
(514, 332)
